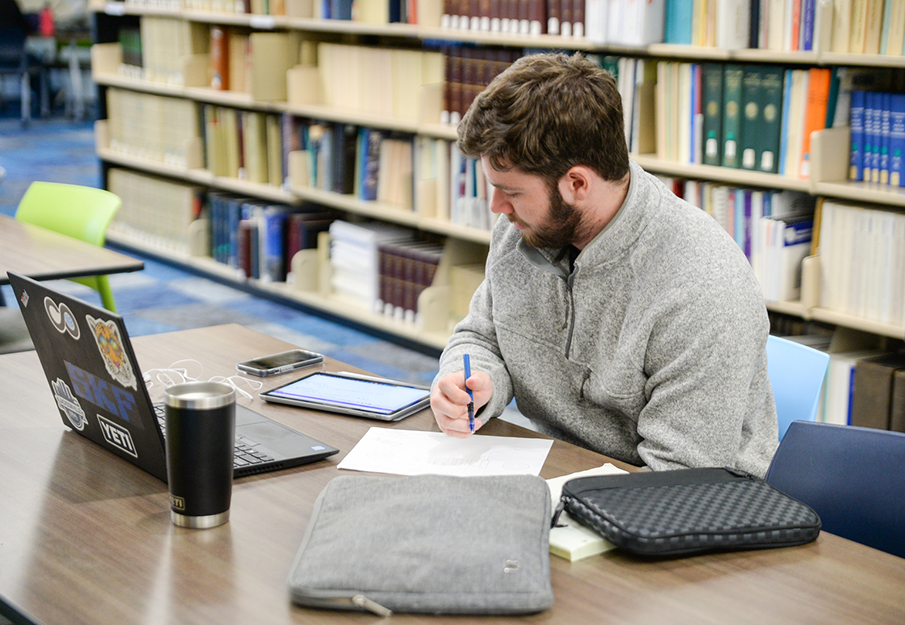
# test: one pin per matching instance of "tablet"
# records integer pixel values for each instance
(352, 394)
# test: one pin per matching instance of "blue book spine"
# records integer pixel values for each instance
(897, 140)
(678, 21)
(746, 197)
(784, 131)
(806, 40)
(234, 214)
(884, 138)
(872, 132)
(856, 163)
(341, 9)
(273, 267)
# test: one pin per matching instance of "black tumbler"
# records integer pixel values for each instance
(200, 441)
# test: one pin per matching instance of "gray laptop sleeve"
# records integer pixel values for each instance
(427, 544)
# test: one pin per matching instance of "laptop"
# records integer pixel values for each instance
(94, 376)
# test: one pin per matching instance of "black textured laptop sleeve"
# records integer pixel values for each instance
(689, 511)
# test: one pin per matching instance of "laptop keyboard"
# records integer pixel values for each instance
(247, 454)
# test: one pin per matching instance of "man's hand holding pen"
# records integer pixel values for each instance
(451, 396)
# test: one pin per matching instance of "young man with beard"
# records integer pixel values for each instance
(620, 317)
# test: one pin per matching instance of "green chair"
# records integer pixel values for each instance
(77, 211)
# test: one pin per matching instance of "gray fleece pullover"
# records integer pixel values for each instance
(651, 351)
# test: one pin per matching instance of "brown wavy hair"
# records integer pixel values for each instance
(545, 114)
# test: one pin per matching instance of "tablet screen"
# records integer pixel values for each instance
(353, 393)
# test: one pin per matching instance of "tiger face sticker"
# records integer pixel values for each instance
(110, 345)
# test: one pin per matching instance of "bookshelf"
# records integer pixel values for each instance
(827, 181)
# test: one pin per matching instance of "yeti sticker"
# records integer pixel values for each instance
(69, 404)
(117, 435)
(110, 345)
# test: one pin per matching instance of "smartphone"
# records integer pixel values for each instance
(275, 364)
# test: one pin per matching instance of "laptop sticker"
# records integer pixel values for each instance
(61, 318)
(110, 398)
(24, 299)
(110, 345)
(69, 404)
(117, 435)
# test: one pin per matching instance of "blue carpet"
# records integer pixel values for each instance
(163, 298)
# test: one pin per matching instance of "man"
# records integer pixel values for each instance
(620, 317)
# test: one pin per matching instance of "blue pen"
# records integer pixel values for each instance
(470, 394)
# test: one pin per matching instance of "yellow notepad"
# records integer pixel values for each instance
(574, 541)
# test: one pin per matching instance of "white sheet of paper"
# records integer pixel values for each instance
(407, 452)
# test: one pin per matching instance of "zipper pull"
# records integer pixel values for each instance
(371, 606)
(560, 507)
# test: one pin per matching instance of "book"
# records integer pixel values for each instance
(570, 539)
(771, 117)
(638, 22)
(839, 384)
(806, 33)
(733, 24)
(815, 114)
(873, 27)
(871, 134)
(776, 16)
(897, 140)
(840, 40)
(872, 391)
(751, 117)
(882, 165)
(790, 242)
(220, 58)
(678, 22)
(859, 17)
(302, 229)
(732, 119)
(272, 245)
(895, 41)
(856, 158)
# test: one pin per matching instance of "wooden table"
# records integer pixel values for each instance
(46, 255)
(86, 537)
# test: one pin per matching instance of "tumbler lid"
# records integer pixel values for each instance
(199, 395)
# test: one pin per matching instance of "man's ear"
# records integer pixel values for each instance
(575, 185)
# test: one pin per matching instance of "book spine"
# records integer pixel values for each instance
(870, 107)
(856, 160)
(732, 123)
(752, 79)
(897, 140)
(884, 138)
(771, 117)
(808, 8)
(713, 112)
(219, 58)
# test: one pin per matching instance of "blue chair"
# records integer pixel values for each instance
(796, 374)
(851, 476)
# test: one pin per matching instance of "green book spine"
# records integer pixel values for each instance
(712, 80)
(771, 114)
(732, 120)
(750, 140)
